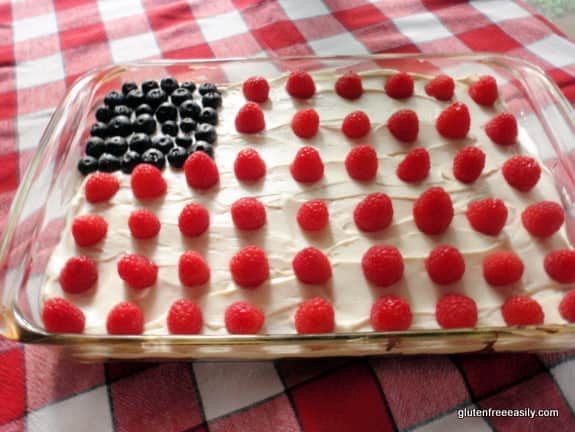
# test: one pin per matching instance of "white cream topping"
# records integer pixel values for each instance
(343, 243)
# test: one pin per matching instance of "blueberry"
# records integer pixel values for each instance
(163, 143)
(169, 84)
(135, 98)
(113, 99)
(99, 129)
(212, 99)
(140, 142)
(87, 164)
(188, 85)
(187, 125)
(204, 147)
(184, 141)
(170, 128)
(166, 111)
(155, 97)
(149, 85)
(177, 156)
(180, 95)
(154, 157)
(128, 86)
(120, 125)
(104, 114)
(122, 110)
(145, 123)
(190, 109)
(208, 115)
(206, 132)
(116, 145)
(207, 88)
(144, 109)
(95, 146)
(130, 160)
(109, 163)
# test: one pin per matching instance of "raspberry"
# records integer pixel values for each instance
(137, 271)
(567, 307)
(315, 315)
(147, 182)
(502, 129)
(484, 91)
(305, 123)
(560, 265)
(194, 220)
(441, 87)
(256, 89)
(382, 265)
(487, 216)
(307, 166)
(250, 119)
(404, 125)
(356, 125)
(61, 316)
(361, 163)
(88, 230)
(249, 166)
(185, 317)
(143, 224)
(125, 319)
(313, 215)
(390, 313)
(468, 164)
(433, 211)
(201, 171)
(399, 86)
(101, 187)
(311, 266)
(445, 265)
(522, 310)
(300, 85)
(248, 214)
(502, 268)
(456, 311)
(373, 213)
(193, 269)
(349, 86)
(250, 267)
(415, 166)
(243, 318)
(454, 121)
(521, 172)
(79, 274)
(543, 219)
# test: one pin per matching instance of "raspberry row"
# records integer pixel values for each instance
(453, 122)
(400, 85)
(382, 266)
(361, 163)
(313, 316)
(432, 212)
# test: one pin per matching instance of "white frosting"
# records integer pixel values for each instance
(282, 238)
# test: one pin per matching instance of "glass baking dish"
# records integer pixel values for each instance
(36, 219)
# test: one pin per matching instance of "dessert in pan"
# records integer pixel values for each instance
(309, 203)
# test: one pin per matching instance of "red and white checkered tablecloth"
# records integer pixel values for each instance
(45, 45)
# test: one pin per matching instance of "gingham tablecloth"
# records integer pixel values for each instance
(45, 45)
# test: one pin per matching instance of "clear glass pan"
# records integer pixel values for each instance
(37, 215)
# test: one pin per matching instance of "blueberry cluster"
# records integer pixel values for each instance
(151, 123)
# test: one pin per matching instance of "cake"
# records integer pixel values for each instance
(427, 287)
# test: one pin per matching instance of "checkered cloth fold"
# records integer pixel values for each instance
(46, 45)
